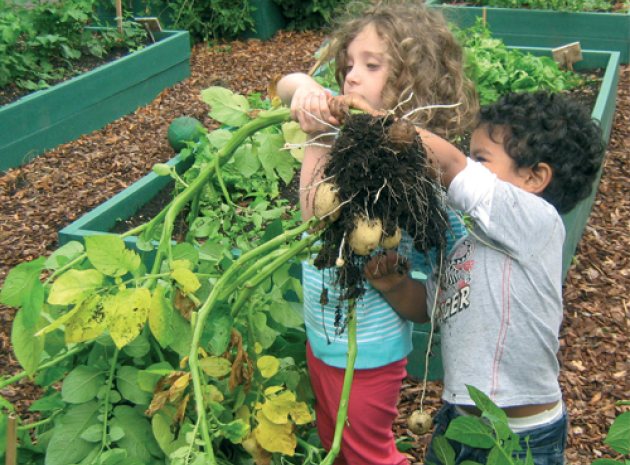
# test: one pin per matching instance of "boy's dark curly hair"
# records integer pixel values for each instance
(550, 128)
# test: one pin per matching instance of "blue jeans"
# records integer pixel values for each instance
(546, 443)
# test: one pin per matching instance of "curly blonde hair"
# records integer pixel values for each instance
(426, 62)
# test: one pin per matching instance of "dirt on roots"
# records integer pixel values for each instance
(47, 194)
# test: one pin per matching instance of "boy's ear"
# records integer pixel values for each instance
(539, 178)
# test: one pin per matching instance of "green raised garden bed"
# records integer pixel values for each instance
(44, 119)
(125, 204)
(545, 28)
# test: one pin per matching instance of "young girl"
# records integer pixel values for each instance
(397, 57)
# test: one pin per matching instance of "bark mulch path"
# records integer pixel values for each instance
(58, 187)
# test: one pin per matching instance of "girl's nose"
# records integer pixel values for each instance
(353, 76)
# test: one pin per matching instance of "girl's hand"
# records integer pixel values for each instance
(309, 107)
(386, 271)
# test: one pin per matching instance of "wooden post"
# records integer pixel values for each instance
(119, 19)
(11, 452)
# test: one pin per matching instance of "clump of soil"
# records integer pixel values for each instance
(381, 171)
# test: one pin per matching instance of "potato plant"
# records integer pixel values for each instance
(197, 357)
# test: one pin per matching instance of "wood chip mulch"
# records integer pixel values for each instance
(58, 187)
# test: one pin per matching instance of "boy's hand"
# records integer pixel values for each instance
(386, 271)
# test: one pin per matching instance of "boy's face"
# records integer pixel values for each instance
(368, 67)
(489, 151)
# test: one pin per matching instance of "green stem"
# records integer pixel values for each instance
(192, 214)
(208, 305)
(266, 271)
(149, 224)
(243, 277)
(342, 413)
(110, 382)
(67, 266)
(223, 155)
(226, 194)
(23, 374)
(36, 424)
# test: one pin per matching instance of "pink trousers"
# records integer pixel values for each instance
(367, 438)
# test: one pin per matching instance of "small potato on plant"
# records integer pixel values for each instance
(419, 422)
(326, 203)
(366, 235)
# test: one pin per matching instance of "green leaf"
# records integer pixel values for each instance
(186, 279)
(138, 440)
(116, 433)
(5, 404)
(82, 384)
(471, 431)
(181, 343)
(74, 286)
(288, 314)
(263, 333)
(225, 106)
(93, 434)
(113, 457)
(605, 462)
(139, 347)
(619, 434)
(488, 408)
(48, 403)
(23, 289)
(68, 432)
(161, 316)
(186, 251)
(443, 450)
(219, 137)
(273, 159)
(126, 313)
(498, 456)
(109, 255)
(218, 330)
(64, 255)
(245, 163)
(27, 347)
(235, 431)
(127, 384)
(293, 134)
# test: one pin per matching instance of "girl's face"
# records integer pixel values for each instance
(368, 67)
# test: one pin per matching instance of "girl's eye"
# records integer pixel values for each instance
(373, 66)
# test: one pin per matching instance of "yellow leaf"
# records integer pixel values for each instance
(214, 394)
(88, 323)
(268, 365)
(186, 279)
(258, 348)
(215, 366)
(300, 413)
(243, 413)
(273, 437)
(178, 387)
(160, 317)
(271, 390)
(89, 302)
(277, 409)
(126, 313)
(260, 455)
(74, 286)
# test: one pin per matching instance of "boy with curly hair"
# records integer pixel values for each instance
(498, 299)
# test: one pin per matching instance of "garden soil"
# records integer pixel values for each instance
(58, 187)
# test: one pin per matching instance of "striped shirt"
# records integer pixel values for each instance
(383, 337)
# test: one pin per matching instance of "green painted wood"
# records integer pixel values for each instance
(541, 28)
(45, 119)
(128, 202)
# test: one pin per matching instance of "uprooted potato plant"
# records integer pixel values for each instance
(192, 351)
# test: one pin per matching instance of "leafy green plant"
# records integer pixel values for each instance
(312, 14)
(618, 439)
(556, 5)
(489, 431)
(44, 42)
(195, 357)
(496, 69)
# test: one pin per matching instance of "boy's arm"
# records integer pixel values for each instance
(447, 159)
(388, 273)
